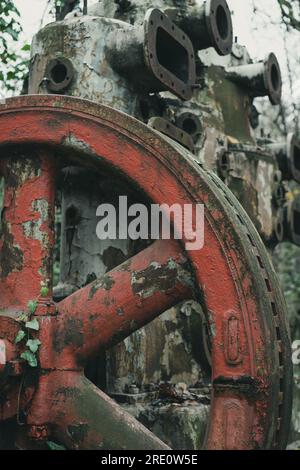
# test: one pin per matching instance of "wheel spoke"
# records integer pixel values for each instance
(86, 418)
(127, 298)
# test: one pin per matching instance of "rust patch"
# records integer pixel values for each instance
(11, 257)
(244, 385)
(71, 335)
(160, 278)
(106, 282)
(21, 169)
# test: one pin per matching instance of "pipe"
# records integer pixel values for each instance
(288, 157)
(156, 56)
(208, 25)
(260, 79)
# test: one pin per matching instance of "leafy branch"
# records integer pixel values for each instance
(25, 334)
(14, 66)
(290, 10)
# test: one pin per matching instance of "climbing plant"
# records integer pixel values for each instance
(290, 11)
(13, 65)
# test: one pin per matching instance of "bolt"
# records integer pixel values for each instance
(38, 432)
(133, 389)
(46, 307)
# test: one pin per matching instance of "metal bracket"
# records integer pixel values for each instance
(166, 127)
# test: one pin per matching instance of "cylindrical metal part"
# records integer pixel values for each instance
(155, 57)
(260, 79)
(125, 299)
(288, 157)
(208, 25)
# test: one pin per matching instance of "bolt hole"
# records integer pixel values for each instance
(59, 73)
(189, 126)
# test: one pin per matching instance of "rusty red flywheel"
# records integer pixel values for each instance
(251, 358)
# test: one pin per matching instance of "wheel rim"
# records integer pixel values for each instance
(251, 366)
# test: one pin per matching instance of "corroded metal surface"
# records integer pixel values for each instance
(236, 286)
(229, 137)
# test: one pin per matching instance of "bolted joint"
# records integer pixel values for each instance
(167, 128)
(59, 74)
(208, 25)
(38, 432)
(190, 123)
(45, 307)
(259, 79)
(156, 56)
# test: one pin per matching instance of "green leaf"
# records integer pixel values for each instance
(53, 446)
(33, 345)
(26, 47)
(20, 335)
(44, 291)
(32, 306)
(33, 325)
(30, 358)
